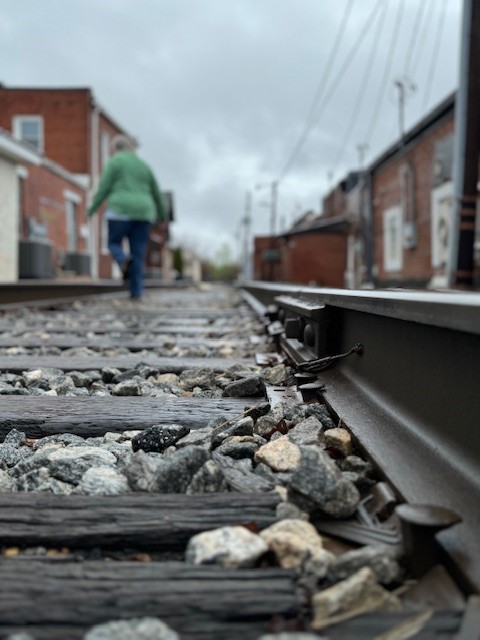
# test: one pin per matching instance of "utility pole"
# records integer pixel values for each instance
(273, 222)
(247, 219)
(362, 151)
(405, 88)
(273, 208)
(467, 147)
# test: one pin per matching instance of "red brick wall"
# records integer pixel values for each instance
(266, 270)
(44, 201)
(417, 268)
(316, 258)
(66, 121)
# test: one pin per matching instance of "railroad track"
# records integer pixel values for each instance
(176, 460)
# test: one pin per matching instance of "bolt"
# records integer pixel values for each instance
(420, 523)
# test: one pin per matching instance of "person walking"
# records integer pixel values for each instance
(134, 201)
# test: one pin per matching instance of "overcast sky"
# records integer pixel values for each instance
(219, 91)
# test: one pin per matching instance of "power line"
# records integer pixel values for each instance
(362, 89)
(353, 51)
(436, 47)
(320, 89)
(343, 69)
(423, 39)
(346, 64)
(413, 38)
(387, 69)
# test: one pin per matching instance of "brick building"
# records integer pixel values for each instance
(71, 128)
(387, 226)
(315, 248)
(412, 202)
(42, 214)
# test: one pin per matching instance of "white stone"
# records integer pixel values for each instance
(279, 455)
(297, 545)
(232, 547)
(340, 439)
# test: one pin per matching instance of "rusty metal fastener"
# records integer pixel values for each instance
(304, 378)
(419, 525)
(310, 390)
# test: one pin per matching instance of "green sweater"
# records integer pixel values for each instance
(131, 189)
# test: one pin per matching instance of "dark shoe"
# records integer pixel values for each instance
(126, 266)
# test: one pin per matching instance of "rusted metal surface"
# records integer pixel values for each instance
(411, 398)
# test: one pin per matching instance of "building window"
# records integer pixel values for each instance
(29, 129)
(442, 205)
(392, 239)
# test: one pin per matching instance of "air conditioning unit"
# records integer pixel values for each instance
(78, 262)
(35, 259)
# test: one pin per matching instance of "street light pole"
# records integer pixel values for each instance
(246, 232)
(273, 220)
(273, 208)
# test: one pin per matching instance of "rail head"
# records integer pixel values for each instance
(454, 310)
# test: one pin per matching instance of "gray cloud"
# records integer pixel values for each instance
(217, 91)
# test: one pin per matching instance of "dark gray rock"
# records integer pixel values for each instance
(109, 373)
(317, 483)
(60, 438)
(125, 375)
(129, 387)
(62, 384)
(243, 427)
(306, 432)
(39, 480)
(208, 479)
(10, 451)
(380, 559)
(13, 391)
(178, 469)
(70, 463)
(356, 464)
(239, 475)
(146, 370)
(158, 437)
(199, 437)
(202, 377)
(257, 410)
(320, 412)
(80, 379)
(238, 447)
(360, 480)
(102, 481)
(141, 470)
(245, 387)
(94, 375)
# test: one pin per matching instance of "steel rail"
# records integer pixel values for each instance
(44, 293)
(411, 398)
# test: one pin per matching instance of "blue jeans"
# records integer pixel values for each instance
(137, 233)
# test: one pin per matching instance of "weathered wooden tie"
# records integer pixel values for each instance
(39, 416)
(126, 340)
(201, 603)
(17, 364)
(138, 521)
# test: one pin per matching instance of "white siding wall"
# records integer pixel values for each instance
(8, 221)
